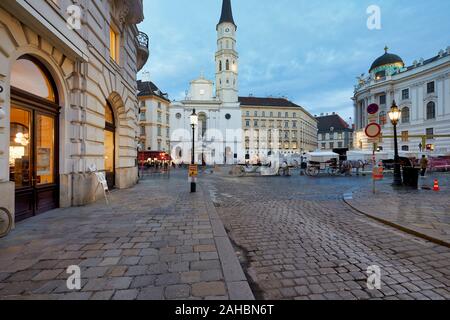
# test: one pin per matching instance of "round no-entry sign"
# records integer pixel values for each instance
(373, 108)
(373, 130)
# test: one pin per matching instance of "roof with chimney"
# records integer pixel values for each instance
(148, 88)
(325, 123)
(227, 13)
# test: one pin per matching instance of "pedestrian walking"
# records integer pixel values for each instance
(423, 165)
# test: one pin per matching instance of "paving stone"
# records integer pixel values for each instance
(157, 268)
(179, 267)
(94, 272)
(102, 295)
(149, 252)
(191, 277)
(112, 261)
(205, 248)
(143, 281)
(177, 291)
(204, 289)
(205, 265)
(136, 271)
(151, 293)
(209, 256)
(211, 275)
(167, 279)
(130, 261)
(117, 271)
(190, 257)
(76, 296)
(47, 274)
(126, 294)
(118, 283)
(112, 253)
(147, 260)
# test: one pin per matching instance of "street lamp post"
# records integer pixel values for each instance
(394, 115)
(194, 123)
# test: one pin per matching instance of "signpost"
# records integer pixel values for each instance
(373, 133)
(193, 171)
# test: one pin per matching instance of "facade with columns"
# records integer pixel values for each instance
(68, 102)
(422, 92)
(219, 132)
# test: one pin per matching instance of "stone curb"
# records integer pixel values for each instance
(347, 197)
(235, 279)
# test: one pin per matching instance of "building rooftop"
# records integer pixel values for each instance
(148, 88)
(387, 59)
(266, 102)
(332, 121)
(270, 102)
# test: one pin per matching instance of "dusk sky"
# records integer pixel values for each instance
(308, 51)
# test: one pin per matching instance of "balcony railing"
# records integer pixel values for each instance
(142, 44)
(142, 39)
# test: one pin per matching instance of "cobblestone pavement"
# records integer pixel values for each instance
(298, 240)
(423, 212)
(155, 241)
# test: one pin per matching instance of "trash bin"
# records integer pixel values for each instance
(411, 177)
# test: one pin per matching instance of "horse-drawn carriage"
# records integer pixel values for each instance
(329, 163)
(322, 162)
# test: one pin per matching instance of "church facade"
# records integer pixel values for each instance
(221, 136)
(218, 135)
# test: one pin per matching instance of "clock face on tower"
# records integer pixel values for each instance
(227, 30)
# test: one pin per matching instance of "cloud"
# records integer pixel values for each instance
(310, 51)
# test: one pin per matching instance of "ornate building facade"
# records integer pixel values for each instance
(421, 90)
(68, 101)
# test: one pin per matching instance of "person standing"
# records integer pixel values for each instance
(423, 165)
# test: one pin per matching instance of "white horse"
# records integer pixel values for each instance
(347, 166)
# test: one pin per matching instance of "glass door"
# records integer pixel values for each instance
(45, 185)
(109, 158)
(32, 162)
(20, 160)
(110, 147)
(45, 150)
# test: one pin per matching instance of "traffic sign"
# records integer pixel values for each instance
(373, 130)
(373, 108)
(193, 170)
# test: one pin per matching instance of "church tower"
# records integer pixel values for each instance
(226, 56)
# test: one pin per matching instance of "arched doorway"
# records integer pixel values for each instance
(110, 146)
(33, 151)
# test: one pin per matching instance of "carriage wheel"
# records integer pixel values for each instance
(313, 171)
(6, 221)
(332, 171)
